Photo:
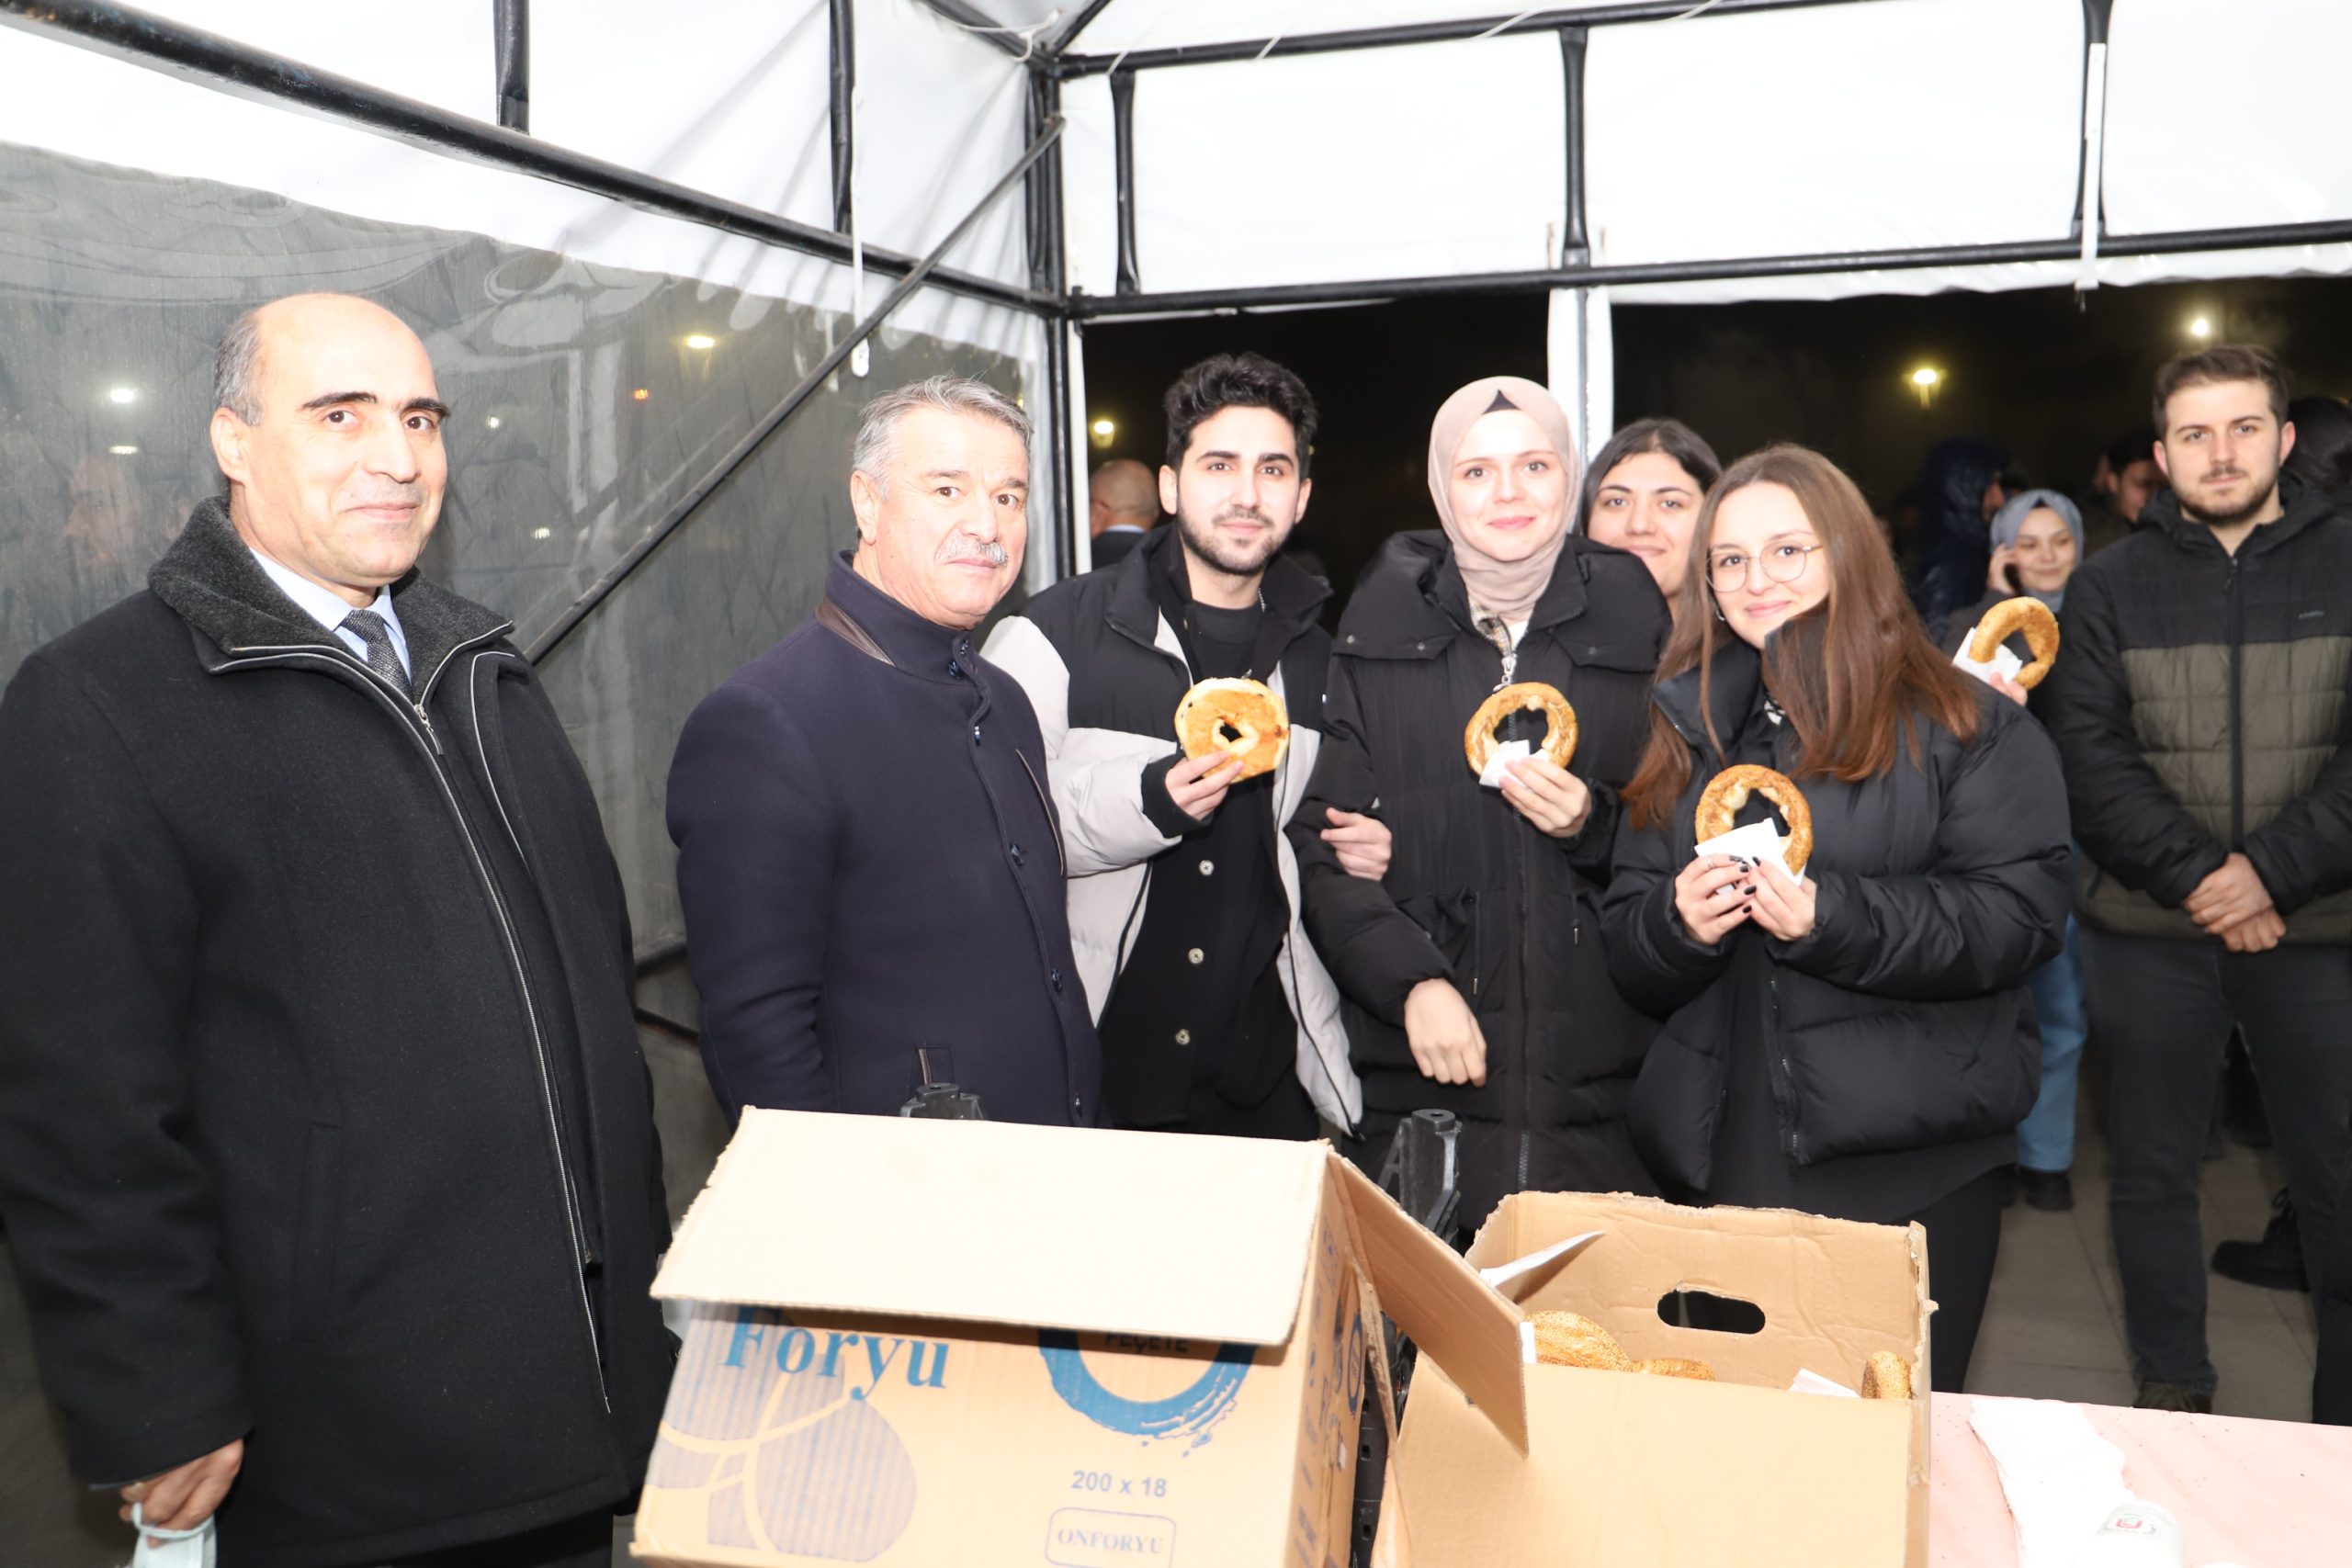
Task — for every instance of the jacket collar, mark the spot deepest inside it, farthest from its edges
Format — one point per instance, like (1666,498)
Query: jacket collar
(2304,504)
(210,578)
(924,649)
(1153,574)
(1735,691)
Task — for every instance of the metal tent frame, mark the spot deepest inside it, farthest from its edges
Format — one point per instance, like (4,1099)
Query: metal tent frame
(140,38)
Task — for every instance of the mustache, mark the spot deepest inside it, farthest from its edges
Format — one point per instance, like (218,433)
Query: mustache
(987,552)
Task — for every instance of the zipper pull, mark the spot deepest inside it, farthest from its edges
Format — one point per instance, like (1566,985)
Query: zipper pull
(430,733)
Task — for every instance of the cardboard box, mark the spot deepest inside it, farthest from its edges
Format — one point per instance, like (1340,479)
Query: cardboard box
(933,1342)
(1619,1469)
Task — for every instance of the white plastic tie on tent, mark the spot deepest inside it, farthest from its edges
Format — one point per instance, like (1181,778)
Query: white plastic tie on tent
(1028,35)
(1504,26)
(2094,156)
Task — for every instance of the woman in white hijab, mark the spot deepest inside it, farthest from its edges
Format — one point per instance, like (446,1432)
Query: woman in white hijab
(1472,973)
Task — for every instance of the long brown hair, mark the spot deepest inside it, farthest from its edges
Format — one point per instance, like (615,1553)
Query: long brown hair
(1855,674)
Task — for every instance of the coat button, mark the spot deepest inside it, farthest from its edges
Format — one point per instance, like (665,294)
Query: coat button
(1208,868)
(955,669)
(975,734)
(1015,849)
(1351,636)
(1056,976)
(1183,1037)
(1197,955)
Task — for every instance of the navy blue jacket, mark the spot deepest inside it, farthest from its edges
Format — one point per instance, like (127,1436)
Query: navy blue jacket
(872,878)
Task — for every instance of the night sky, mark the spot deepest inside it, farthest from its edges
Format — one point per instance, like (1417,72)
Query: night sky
(2049,379)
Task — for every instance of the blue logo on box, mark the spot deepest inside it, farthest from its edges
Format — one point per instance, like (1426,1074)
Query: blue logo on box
(1189,1413)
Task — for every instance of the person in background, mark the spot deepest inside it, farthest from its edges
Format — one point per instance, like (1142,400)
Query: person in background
(1122,505)
(1858,1043)
(1642,492)
(1469,982)
(2037,543)
(326,1146)
(1959,490)
(1216,1014)
(870,870)
(2322,454)
(2127,477)
(2200,703)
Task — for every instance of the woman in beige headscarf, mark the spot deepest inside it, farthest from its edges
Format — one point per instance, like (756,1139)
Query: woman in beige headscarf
(1472,973)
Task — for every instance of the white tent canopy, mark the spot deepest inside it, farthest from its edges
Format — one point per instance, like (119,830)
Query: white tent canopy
(1262,152)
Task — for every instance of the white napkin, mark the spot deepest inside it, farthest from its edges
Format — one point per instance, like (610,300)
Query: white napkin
(1502,1274)
(160,1547)
(1509,751)
(2003,661)
(1756,842)
(1810,1382)
(2061,1477)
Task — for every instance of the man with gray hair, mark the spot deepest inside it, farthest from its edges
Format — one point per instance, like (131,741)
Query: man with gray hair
(867,855)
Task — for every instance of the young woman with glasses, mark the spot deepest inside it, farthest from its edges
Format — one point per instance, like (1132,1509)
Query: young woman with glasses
(1856,1042)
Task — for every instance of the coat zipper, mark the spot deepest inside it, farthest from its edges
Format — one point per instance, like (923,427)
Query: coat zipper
(2238,715)
(336,658)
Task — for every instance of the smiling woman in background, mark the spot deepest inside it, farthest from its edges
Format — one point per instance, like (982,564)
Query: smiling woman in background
(1856,1043)
(1472,973)
(1643,492)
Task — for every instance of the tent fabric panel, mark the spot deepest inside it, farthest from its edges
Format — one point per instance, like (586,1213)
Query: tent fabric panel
(1090,186)
(168,125)
(739,105)
(941,116)
(1303,169)
(1902,123)
(439,51)
(2225,117)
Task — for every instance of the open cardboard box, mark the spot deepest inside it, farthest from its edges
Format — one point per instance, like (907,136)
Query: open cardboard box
(934,1342)
(1619,1469)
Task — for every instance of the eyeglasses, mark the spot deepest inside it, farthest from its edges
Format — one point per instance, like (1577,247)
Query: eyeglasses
(1782,563)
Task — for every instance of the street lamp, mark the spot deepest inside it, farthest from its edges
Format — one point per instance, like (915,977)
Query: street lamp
(1102,430)
(2200,327)
(1926,378)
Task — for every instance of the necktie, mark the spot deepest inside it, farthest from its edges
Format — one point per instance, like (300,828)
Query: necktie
(382,657)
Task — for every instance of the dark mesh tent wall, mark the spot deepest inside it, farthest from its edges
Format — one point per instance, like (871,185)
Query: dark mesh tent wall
(585,406)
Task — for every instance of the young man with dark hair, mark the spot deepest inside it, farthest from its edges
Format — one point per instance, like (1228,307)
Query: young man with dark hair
(1215,1013)
(2200,706)
(2121,486)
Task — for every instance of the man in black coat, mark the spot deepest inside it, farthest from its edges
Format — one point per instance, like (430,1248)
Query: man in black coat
(325,1147)
(869,863)
(1216,1014)
(2200,703)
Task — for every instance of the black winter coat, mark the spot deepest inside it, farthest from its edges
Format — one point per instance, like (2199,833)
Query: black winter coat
(2201,703)
(1475,892)
(872,878)
(280,1152)
(1902,1022)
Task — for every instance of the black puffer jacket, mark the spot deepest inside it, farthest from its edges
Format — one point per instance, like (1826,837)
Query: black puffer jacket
(1477,893)
(2199,705)
(1901,1022)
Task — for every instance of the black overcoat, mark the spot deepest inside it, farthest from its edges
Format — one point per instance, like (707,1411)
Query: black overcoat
(872,877)
(1475,892)
(279,1152)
